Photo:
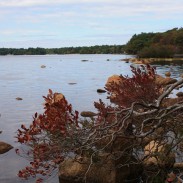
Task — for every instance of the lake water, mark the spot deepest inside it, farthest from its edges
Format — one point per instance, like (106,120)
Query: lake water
(22,76)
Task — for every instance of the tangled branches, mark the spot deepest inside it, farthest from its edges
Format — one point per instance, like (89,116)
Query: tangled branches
(140,128)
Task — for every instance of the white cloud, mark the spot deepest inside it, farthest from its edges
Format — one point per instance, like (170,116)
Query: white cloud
(73,18)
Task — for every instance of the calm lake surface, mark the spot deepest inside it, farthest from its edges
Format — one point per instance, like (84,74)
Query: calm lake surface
(22,76)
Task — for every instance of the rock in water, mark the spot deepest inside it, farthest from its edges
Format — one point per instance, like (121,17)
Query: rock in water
(164,81)
(100,91)
(88,114)
(4,147)
(115,79)
(167,74)
(19,98)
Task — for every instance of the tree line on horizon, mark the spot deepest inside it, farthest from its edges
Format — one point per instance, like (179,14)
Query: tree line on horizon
(144,45)
(104,49)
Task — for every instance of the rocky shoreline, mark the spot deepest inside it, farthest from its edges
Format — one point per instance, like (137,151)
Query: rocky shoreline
(151,60)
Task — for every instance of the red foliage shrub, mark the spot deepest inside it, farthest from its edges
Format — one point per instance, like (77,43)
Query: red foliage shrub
(140,87)
(47,135)
(57,132)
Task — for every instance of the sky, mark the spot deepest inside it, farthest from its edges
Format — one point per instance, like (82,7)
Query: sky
(64,23)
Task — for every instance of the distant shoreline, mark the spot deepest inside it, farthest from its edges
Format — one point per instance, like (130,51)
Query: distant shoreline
(103,49)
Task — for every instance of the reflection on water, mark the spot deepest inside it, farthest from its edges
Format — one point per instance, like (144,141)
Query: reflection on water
(22,76)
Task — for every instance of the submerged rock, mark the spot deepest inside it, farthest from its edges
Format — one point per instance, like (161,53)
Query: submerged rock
(4,147)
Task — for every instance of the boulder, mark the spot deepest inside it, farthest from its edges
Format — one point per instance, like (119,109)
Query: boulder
(171,101)
(179,94)
(57,97)
(4,147)
(103,170)
(115,79)
(88,114)
(164,81)
(156,155)
(167,74)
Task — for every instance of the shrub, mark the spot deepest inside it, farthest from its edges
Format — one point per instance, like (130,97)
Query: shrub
(123,129)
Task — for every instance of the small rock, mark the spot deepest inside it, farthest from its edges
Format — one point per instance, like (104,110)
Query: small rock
(43,66)
(167,74)
(88,114)
(127,61)
(19,98)
(1,132)
(101,91)
(84,60)
(108,59)
(72,83)
(179,94)
(4,147)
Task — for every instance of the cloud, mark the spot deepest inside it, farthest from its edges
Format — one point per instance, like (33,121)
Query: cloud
(100,20)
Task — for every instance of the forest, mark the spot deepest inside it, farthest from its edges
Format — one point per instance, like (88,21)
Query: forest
(156,45)
(104,49)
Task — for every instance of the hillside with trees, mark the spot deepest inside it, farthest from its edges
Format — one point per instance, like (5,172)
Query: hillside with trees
(156,45)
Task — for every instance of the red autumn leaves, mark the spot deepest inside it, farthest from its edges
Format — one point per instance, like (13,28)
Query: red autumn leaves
(43,136)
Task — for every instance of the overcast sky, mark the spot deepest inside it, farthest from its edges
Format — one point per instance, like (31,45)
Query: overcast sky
(63,23)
